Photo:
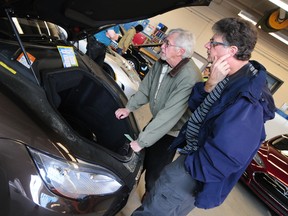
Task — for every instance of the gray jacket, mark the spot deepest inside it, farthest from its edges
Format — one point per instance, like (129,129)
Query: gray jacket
(170,108)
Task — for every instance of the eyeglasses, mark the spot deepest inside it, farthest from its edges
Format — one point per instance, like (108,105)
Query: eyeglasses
(215,43)
(167,43)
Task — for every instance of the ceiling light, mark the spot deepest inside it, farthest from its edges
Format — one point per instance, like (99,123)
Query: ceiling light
(280,36)
(280,3)
(245,15)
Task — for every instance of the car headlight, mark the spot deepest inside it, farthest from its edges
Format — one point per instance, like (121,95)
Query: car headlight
(74,180)
(258,160)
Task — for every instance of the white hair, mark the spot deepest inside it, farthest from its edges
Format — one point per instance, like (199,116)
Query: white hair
(185,40)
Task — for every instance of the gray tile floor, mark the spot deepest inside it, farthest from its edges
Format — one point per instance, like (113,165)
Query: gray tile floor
(240,202)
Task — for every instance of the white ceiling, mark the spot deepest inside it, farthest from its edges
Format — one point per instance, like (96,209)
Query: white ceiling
(258,7)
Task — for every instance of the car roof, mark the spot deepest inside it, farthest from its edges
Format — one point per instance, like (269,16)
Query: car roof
(77,16)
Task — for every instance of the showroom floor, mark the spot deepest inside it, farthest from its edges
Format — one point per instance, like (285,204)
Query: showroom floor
(240,202)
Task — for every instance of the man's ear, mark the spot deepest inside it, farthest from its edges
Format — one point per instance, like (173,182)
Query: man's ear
(181,51)
(233,50)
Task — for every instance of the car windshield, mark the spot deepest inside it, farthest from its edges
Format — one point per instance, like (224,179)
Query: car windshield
(281,145)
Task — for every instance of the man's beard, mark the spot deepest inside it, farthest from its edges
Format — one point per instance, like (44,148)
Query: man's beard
(163,57)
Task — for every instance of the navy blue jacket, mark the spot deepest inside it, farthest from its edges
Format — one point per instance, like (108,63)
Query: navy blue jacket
(230,134)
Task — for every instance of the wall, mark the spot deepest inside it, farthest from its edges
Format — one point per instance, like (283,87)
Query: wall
(199,20)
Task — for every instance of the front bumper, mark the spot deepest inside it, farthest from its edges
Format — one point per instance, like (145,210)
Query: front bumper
(268,189)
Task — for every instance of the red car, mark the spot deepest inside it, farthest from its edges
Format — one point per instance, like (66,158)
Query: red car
(267,174)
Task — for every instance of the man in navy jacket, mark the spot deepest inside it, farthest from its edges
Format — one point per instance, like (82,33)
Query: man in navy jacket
(225,130)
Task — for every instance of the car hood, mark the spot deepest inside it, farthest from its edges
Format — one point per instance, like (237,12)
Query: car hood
(89,16)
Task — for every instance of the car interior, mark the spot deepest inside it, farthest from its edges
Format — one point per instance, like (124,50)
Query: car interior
(87,106)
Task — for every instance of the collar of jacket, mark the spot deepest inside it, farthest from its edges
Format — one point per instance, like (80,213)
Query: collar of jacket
(253,87)
(177,68)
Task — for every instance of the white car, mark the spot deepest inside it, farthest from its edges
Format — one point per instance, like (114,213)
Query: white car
(276,126)
(119,68)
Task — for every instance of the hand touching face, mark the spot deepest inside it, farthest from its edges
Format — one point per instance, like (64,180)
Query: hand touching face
(220,68)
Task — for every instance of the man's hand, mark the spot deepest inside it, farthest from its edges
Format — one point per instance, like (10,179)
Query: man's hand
(219,70)
(135,146)
(122,113)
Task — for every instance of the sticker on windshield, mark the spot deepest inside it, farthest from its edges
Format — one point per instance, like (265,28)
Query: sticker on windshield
(21,58)
(68,56)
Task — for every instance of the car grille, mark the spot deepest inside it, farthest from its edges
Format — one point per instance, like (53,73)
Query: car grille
(272,190)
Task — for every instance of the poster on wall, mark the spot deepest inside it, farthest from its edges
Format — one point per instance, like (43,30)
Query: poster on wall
(149,30)
(144,23)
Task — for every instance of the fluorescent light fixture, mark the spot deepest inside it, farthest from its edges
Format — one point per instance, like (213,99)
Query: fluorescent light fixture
(280,36)
(281,3)
(245,15)
(18,27)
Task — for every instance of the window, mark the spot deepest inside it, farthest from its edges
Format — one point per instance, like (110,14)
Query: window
(273,82)
(200,61)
